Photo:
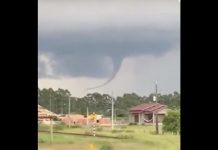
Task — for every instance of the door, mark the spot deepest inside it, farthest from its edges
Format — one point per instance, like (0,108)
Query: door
(136,118)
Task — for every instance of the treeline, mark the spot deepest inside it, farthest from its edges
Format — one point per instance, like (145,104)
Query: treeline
(58,101)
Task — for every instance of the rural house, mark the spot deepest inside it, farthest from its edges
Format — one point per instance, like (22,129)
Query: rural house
(78,119)
(44,115)
(145,113)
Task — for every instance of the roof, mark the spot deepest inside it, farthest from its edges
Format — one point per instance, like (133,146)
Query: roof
(147,107)
(44,113)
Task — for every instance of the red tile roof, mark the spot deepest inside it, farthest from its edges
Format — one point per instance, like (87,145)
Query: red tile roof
(147,107)
(44,113)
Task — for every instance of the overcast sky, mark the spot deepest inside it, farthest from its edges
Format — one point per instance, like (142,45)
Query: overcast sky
(109,45)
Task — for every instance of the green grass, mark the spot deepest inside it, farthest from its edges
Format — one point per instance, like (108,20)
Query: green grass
(142,139)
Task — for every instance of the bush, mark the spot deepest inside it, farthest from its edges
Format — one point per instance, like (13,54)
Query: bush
(55,118)
(121,115)
(106,147)
(171,122)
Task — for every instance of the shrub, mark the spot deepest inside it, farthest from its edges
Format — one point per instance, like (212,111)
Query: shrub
(121,115)
(55,118)
(171,122)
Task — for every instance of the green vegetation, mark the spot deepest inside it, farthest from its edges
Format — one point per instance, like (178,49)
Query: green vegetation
(99,103)
(117,131)
(171,122)
(42,127)
(106,147)
(140,138)
(99,129)
(135,136)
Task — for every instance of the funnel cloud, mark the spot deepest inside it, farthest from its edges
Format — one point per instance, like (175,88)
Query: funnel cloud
(91,39)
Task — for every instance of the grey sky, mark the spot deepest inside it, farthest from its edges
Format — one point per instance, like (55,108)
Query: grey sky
(92,40)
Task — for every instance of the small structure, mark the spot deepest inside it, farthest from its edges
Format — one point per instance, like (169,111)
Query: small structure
(44,115)
(74,119)
(78,119)
(144,113)
(104,122)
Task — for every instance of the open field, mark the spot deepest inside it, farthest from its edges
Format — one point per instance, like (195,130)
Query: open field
(141,138)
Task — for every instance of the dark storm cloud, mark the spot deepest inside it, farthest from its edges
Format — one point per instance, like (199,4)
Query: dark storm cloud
(81,51)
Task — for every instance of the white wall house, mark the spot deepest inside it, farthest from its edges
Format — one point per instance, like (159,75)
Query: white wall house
(145,113)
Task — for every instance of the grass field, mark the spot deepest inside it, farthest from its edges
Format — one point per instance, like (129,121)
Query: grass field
(141,139)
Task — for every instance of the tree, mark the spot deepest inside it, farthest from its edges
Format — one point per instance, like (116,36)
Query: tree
(99,103)
(171,122)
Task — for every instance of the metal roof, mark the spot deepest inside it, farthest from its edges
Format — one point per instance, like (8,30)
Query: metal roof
(147,107)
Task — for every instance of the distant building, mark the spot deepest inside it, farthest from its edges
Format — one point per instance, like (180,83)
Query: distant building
(78,119)
(74,119)
(144,113)
(44,115)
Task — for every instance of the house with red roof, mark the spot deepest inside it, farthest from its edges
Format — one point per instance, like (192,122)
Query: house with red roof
(44,115)
(145,113)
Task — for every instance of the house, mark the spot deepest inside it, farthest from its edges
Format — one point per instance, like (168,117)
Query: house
(145,113)
(45,115)
(104,122)
(78,119)
(73,119)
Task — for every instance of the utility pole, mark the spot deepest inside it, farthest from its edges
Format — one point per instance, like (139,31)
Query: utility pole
(112,111)
(87,115)
(51,121)
(62,107)
(50,101)
(156,113)
(115,116)
(69,112)
(51,129)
